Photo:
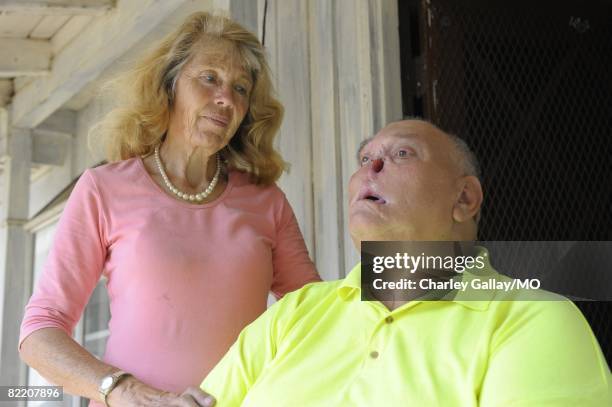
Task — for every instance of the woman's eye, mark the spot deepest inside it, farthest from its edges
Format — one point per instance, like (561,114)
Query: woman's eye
(364,160)
(208,78)
(241,90)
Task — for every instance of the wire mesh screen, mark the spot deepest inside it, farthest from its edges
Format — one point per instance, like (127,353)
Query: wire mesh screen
(531,91)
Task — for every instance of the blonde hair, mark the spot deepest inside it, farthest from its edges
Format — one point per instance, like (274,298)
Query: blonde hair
(147,91)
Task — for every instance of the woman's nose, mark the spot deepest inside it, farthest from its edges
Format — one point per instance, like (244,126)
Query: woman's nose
(223,96)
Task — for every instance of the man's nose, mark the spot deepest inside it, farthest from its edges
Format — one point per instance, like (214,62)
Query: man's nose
(377,165)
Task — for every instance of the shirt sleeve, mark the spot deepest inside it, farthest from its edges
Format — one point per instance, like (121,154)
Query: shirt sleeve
(546,356)
(232,378)
(292,265)
(73,266)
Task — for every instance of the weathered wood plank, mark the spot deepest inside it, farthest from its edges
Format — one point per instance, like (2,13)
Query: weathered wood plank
(368,82)
(17,26)
(50,148)
(245,12)
(6,91)
(24,57)
(21,81)
(354,92)
(62,121)
(4,118)
(51,141)
(327,177)
(68,32)
(48,26)
(386,78)
(87,56)
(287,42)
(15,244)
(57,7)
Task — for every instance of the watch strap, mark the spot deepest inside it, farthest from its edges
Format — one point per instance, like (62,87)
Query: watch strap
(116,378)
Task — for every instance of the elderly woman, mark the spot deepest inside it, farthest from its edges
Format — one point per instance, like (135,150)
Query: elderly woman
(187,225)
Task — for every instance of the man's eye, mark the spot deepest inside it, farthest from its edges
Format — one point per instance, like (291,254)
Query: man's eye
(364,160)
(403,153)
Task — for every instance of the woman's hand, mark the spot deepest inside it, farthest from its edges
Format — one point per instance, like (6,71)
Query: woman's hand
(130,392)
(59,358)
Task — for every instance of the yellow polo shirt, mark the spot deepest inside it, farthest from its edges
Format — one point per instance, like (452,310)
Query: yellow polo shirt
(323,346)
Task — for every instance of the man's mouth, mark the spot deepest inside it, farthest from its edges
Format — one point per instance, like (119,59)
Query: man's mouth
(372,196)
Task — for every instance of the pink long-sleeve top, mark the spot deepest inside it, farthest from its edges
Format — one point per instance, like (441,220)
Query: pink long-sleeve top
(182,279)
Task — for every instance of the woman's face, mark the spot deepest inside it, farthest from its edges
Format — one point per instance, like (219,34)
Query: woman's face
(212,97)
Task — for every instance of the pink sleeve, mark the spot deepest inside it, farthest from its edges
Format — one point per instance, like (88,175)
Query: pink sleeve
(292,265)
(74,264)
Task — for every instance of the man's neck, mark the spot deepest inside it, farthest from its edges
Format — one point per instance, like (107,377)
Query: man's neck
(393,304)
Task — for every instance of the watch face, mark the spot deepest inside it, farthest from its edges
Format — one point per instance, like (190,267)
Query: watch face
(106,382)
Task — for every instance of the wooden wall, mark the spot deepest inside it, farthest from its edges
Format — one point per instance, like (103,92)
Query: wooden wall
(337,71)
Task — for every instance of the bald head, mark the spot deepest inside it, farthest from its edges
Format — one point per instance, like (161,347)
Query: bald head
(415,182)
(463,157)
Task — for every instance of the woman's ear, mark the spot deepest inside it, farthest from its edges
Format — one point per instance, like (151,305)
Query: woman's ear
(469,200)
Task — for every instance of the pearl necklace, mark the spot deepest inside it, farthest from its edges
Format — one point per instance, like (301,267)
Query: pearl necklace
(180,194)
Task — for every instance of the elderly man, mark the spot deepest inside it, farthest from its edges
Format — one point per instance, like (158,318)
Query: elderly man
(324,346)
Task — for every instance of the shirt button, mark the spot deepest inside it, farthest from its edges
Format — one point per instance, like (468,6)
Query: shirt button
(389,319)
(374,354)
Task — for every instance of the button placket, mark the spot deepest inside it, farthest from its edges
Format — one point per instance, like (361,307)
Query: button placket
(380,337)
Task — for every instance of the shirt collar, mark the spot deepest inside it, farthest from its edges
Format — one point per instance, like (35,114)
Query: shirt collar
(351,284)
(350,288)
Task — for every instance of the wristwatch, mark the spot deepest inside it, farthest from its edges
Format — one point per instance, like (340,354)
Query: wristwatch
(109,382)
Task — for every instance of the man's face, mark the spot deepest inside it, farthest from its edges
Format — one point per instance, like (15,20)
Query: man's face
(406,187)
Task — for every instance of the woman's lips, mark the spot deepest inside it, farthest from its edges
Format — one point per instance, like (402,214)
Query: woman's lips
(218,120)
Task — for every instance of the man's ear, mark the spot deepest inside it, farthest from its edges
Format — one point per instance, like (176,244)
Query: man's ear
(469,200)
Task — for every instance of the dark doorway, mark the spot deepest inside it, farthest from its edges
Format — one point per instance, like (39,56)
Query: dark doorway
(530,89)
